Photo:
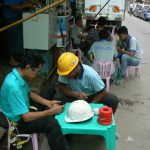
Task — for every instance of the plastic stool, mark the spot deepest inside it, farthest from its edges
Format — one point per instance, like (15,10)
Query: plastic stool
(105,70)
(137,70)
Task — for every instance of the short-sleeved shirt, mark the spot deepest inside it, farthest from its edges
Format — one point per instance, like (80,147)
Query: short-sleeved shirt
(93,35)
(75,34)
(131,45)
(8,12)
(89,82)
(14,97)
(103,50)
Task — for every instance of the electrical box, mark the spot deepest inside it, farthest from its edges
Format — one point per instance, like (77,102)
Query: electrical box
(40,32)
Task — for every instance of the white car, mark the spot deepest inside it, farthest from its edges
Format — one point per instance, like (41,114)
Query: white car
(145,13)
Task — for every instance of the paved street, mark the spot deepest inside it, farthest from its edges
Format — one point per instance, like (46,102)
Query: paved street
(133,115)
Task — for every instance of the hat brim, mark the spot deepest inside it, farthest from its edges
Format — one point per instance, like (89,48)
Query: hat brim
(68,120)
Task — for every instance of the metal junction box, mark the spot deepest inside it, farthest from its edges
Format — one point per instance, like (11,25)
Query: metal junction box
(40,32)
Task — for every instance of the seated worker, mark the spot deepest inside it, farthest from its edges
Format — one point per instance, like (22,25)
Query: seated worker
(79,81)
(15,102)
(128,49)
(76,33)
(104,49)
(77,36)
(94,33)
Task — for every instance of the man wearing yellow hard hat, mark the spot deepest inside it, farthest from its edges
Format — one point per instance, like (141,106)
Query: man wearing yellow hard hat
(79,81)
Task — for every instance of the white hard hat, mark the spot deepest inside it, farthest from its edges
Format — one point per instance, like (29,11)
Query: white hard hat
(78,111)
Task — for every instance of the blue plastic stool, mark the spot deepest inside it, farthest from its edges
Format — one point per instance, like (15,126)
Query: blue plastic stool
(89,127)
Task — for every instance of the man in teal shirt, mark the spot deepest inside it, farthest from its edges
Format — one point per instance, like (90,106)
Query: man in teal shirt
(16,92)
(79,81)
(15,103)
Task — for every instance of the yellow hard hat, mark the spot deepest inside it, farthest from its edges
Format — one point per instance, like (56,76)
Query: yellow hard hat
(66,63)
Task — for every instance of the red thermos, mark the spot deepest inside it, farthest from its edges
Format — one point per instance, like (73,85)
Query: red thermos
(105,116)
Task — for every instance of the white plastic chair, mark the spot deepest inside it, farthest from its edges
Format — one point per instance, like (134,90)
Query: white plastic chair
(16,141)
(14,138)
(105,69)
(136,68)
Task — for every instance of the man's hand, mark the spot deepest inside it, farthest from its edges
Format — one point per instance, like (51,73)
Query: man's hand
(50,104)
(81,95)
(56,109)
(123,51)
(55,102)
(30,116)
(120,50)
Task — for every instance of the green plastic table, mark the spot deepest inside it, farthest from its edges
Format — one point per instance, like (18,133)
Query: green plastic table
(91,127)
